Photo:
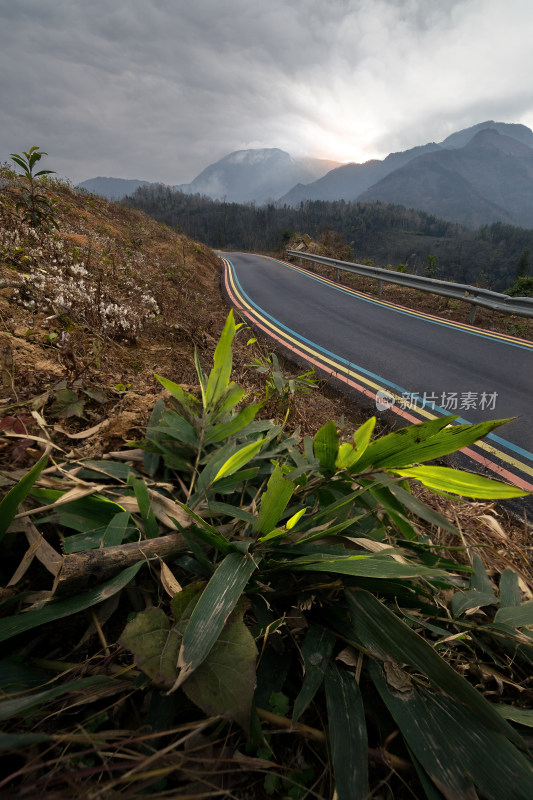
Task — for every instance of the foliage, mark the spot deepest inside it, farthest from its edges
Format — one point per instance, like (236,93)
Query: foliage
(522,287)
(311,558)
(36,208)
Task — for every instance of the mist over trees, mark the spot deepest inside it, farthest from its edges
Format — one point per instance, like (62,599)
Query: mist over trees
(386,234)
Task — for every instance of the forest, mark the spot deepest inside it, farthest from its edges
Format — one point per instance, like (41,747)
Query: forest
(387,235)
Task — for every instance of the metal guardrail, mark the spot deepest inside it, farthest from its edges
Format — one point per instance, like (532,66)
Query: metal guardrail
(521,306)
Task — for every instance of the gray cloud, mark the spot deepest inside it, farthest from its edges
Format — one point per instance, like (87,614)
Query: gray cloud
(158,89)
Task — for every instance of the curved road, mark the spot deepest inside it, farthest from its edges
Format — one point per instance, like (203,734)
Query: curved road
(425,365)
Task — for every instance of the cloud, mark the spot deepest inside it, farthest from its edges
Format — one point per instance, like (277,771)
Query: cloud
(158,89)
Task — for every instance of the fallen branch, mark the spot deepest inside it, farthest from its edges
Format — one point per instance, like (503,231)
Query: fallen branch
(80,571)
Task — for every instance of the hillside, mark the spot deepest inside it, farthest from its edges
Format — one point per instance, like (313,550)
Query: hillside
(487,180)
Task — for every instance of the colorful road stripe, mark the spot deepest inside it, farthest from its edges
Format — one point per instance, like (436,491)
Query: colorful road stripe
(369,384)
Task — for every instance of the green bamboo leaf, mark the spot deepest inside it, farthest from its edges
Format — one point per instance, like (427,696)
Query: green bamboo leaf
(317,648)
(239,459)
(151,526)
(273,501)
(19,492)
(186,400)
(347,734)
(472,599)
(387,448)
(58,609)
(219,377)
(515,616)
(498,768)
(462,483)
(420,731)
(217,433)
(510,594)
(20,705)
(421,510)
(349,454)
(224,683)
(369,566)
(216,603)
(440,443)
(388,638)
(479,580)
(326,445)
(229,399)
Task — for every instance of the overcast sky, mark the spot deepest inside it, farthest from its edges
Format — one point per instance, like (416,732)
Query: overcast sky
(159,89)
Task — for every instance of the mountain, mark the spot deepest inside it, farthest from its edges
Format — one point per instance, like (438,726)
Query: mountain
(346,182)
(489,179)
(112,188)
(254,175)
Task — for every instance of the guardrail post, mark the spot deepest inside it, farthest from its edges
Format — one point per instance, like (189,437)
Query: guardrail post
(380,287)
(472,315)
(337,275)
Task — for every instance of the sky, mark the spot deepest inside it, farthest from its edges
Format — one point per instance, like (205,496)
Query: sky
(160,89)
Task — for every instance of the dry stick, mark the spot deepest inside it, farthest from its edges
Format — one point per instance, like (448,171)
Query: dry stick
(83,570)
(379,755)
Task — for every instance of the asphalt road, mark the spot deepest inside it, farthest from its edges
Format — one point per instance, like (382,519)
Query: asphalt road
(428,365)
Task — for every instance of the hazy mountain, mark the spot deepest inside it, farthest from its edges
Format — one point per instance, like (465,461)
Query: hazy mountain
(519,132)
(254,175)
(489,179)
(112,188)
(349,180)
(472,201)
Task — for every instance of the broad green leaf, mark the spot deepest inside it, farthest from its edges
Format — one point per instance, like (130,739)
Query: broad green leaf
(421,510)
(224,683)
(273,501)
(238,459)
(186,400)
(420,731)
(58,609)
(230,398)
(469,600)
(151,526)
(326,446)
(317,648)
(425,442)
(349,454)
(201,377)
(155,645)
(498,768)
(522,716)
(219,377)
(19,492)
(509,589)
(369,566)
(214,507)
(479,579)
(387,448)
(515,616)
(217,433)
(388,638)
(216,603)
(347,734)
(174,426)
(462,483)
(67,404)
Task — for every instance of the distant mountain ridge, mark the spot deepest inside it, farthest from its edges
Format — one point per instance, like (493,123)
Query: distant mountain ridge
(475,176)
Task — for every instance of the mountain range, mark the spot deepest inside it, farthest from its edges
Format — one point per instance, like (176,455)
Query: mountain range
(476,176)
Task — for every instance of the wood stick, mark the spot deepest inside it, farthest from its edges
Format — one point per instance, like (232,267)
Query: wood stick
(80,571)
